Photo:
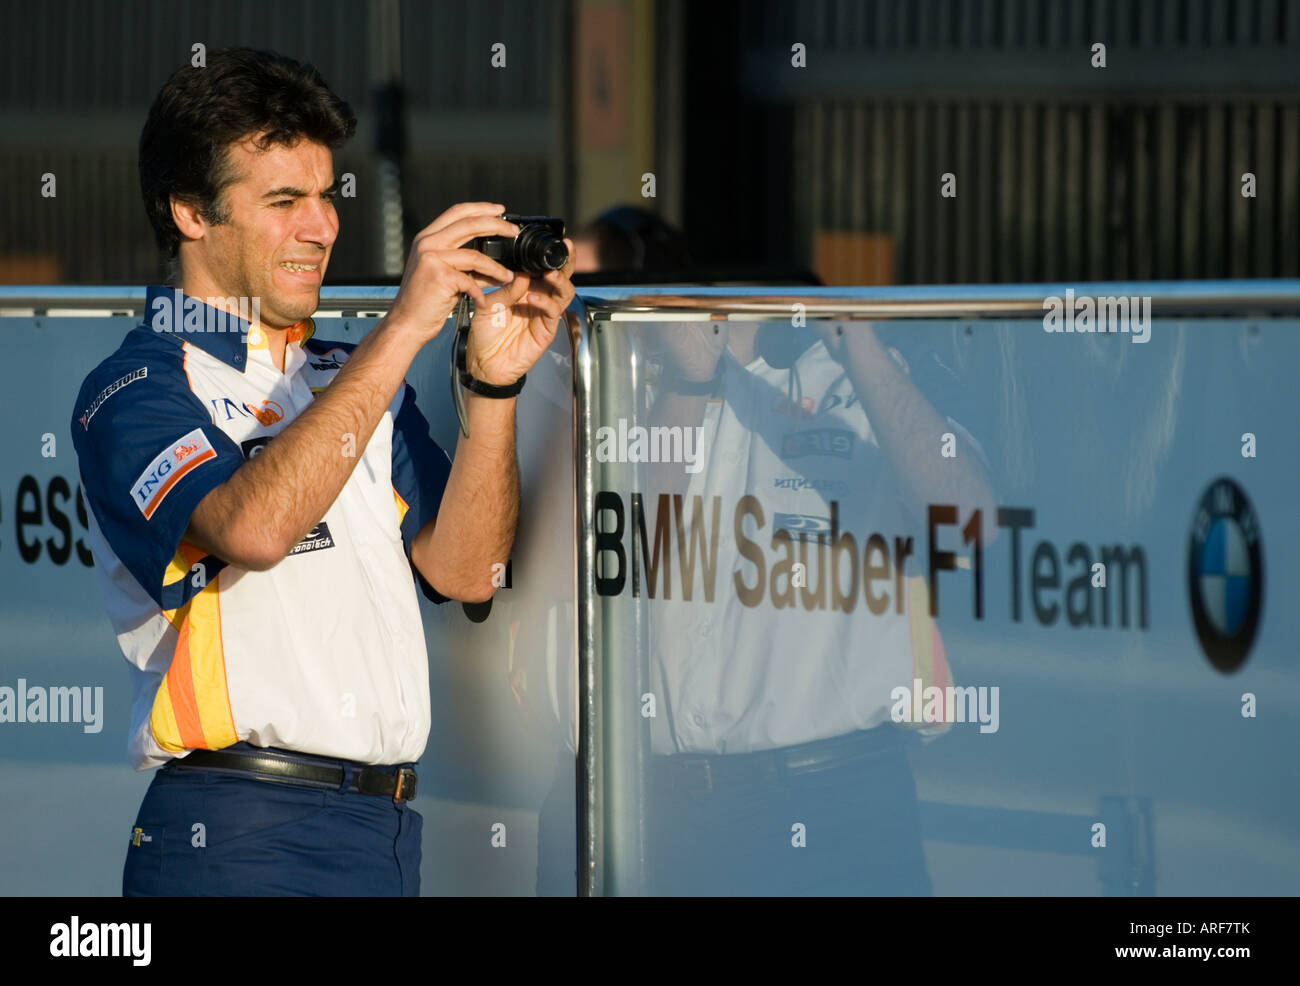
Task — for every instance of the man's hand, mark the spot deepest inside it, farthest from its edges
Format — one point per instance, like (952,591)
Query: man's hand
(907,426)
(693,349)
(475,524)
(440,268)
(515,325)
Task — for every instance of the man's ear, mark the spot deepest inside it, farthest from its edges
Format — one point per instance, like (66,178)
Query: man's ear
(188,219)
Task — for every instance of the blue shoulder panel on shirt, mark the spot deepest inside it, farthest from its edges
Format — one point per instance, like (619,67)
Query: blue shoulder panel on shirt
(420,471)
(322,347)
(148,453)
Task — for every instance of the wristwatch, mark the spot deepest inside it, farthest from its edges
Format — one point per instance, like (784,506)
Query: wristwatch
(476,386)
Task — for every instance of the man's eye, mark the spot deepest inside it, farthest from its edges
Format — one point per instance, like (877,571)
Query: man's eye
(281,203)
(329,196)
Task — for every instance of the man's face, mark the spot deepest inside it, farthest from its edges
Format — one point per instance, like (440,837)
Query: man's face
(281,222)
(586,259)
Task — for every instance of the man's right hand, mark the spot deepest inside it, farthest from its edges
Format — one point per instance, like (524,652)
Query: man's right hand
(440,268)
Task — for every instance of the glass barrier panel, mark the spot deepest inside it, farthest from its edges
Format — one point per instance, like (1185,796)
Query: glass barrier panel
(501,745)
(812,605)
(917,606)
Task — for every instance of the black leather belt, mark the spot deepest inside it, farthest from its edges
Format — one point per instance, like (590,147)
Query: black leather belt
(698,774)
(398,783)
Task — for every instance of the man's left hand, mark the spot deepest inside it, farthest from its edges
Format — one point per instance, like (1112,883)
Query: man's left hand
(520,320)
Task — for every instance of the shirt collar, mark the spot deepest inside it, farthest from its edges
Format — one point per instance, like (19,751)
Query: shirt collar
(218,333)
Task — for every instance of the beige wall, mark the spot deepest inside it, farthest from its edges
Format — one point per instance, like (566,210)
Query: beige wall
(613,103)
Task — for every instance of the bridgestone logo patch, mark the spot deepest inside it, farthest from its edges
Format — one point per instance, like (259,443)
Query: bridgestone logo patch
(108,392)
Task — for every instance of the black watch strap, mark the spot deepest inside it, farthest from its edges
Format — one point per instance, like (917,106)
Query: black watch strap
(491,390)
(475,386)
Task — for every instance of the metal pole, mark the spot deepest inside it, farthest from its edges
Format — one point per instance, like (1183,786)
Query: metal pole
(589,790)
(390,131)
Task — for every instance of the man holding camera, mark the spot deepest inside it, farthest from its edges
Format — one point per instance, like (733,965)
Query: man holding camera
(264,503)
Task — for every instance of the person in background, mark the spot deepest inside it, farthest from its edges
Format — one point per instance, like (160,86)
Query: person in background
(627,238)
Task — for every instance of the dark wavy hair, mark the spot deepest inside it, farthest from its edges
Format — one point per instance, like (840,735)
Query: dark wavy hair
(200,112)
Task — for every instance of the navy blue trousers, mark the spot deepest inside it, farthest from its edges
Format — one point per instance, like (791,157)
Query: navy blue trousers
(861,831)
(211,833)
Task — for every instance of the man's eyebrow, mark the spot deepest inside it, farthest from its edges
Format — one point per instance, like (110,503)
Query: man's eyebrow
(288,191)
(284,191)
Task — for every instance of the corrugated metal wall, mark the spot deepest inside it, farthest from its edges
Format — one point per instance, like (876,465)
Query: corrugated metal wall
(1058,183)
(1054,180)
(1052,192)
(74,55)
(1026,24)
(445,54)
(77,78)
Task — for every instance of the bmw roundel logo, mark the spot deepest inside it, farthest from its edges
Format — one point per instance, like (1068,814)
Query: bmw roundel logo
(1225,574)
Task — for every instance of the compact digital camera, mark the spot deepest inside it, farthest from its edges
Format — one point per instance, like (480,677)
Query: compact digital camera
(538,249)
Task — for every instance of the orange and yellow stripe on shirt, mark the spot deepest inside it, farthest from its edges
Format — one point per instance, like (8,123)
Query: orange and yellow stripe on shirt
(401,507)
(191,709)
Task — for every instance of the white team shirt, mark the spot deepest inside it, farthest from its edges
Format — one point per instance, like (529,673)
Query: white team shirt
(792,668)
(325,652)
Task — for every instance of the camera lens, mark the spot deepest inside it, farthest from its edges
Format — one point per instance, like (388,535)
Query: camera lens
(556,254)
(538,250)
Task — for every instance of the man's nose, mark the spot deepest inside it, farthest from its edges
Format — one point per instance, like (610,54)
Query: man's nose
(319,224)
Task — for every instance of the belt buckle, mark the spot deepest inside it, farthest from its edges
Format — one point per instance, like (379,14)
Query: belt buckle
(406,785)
